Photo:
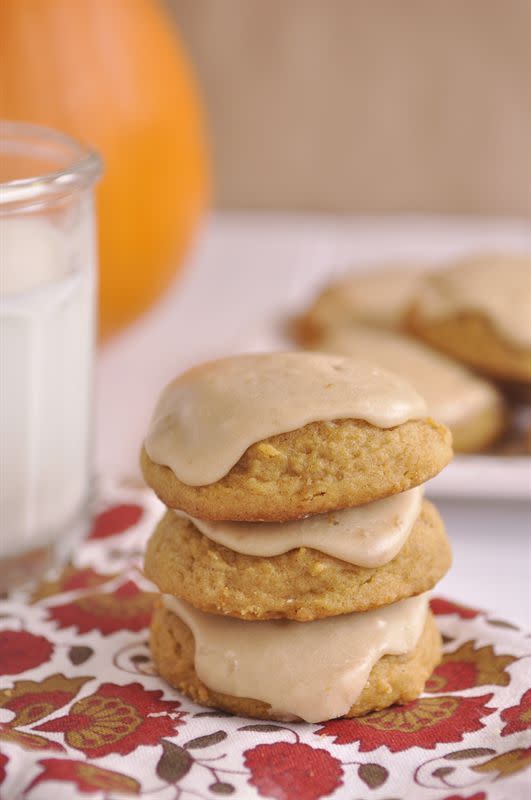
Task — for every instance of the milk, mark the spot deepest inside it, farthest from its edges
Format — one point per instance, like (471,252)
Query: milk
(47,292)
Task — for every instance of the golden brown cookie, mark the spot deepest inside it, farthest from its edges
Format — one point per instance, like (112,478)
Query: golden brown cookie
(302,584)
(471,407)
(472,339)
(377,297)
(477,311)
(393,679)
(321,467)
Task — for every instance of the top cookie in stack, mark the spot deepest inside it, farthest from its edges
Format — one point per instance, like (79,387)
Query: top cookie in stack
(275,437)
(296,616)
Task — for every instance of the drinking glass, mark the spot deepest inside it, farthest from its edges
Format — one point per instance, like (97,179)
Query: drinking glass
(47,322)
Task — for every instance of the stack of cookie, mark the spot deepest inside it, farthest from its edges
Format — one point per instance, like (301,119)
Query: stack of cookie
(297,549)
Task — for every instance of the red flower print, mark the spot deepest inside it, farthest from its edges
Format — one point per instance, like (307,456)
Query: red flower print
(3,764)
(127,608)
(288,771)
(116,719)
(451,677)
(69,580)
(440,606)
(116,519)
(477,796)
(423,723)
(87,777)
(469,666)
(32,700)
(22,650)
(518,718)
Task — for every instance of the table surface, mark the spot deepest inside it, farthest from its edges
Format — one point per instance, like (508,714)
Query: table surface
(246,268)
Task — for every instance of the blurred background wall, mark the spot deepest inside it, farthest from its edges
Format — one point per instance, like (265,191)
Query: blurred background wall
(366,106)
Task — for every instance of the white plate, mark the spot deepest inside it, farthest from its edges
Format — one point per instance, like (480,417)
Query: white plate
(467,476)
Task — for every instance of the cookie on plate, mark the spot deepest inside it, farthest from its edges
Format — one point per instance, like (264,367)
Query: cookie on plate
(470,406)
(292,670)
(478,311)
(403,550)
(278,436)
(379,297)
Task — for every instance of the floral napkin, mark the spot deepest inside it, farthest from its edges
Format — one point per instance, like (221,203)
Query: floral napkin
(82,713)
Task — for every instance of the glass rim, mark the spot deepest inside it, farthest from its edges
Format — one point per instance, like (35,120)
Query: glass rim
(84,168)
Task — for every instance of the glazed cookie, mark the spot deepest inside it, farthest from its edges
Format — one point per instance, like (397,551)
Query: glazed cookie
(380,297)
(372,682)
(279,436)
(407,551)
(470,406)
(478,311)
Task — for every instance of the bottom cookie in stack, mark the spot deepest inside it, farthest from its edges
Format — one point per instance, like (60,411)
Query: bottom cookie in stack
(301,670)
(313,619)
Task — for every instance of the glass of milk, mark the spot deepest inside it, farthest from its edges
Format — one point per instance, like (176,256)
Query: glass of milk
(47,323)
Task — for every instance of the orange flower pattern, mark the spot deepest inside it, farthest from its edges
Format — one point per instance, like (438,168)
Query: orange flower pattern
(82,714)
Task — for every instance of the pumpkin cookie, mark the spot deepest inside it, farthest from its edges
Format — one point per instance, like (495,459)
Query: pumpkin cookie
(282,435)
(301,584)
(380,297)
(392,679)
(478,311)
(470,406)
(321,467)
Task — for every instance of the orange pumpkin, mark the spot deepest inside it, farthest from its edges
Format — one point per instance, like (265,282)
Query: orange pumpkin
(114,75)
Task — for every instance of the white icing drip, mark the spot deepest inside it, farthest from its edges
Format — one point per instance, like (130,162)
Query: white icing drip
(207,418)
(369,535)
(311,670)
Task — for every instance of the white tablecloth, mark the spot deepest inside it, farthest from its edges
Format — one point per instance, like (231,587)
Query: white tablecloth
(247,268)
